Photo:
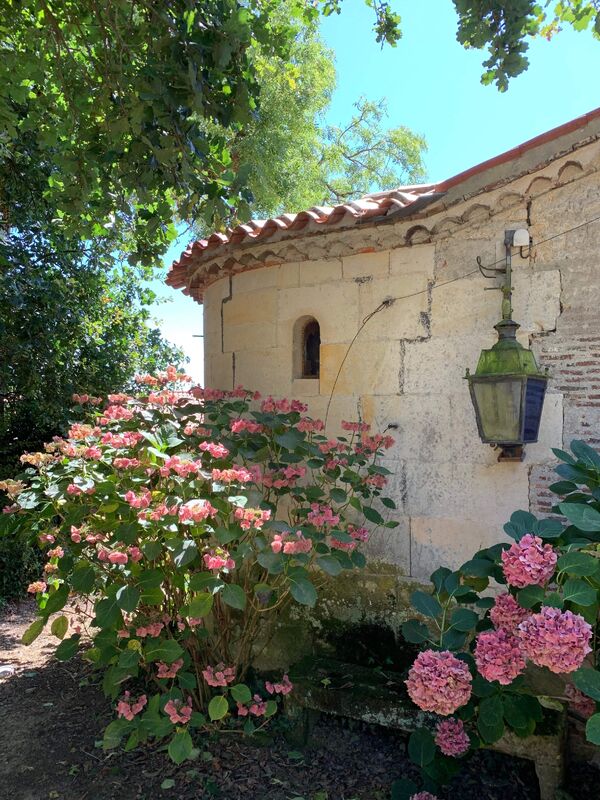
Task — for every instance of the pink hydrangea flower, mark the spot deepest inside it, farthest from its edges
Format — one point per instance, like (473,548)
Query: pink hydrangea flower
(251,517)
(234,475)
(499,656)
(117,557)
(355,427)
(528,562)
(196,511)
(128,709)
(76,534)
(322,515)
(126,463)
(178,712)
(135,554)
(285,686)
(451,737)
(258,707)
(169,670)
(239,425)
(138,501)
(439,682)
(219,675)
(218,559)
(307,425)
(559,640)
(507,613)
(298,545)
(152,629)
(215,450)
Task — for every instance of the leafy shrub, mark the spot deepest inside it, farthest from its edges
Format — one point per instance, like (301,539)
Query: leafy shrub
(20,563)
(476,647)
(179,524)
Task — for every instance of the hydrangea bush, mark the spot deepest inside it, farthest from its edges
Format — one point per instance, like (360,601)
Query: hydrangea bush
(543,610)
(176,525)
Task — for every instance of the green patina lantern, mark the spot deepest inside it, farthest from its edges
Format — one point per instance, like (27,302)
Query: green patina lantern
(508,388)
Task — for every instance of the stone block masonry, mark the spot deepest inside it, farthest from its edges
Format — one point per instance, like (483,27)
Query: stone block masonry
(406,368)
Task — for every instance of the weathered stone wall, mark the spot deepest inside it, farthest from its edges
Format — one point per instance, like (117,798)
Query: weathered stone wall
(406,367)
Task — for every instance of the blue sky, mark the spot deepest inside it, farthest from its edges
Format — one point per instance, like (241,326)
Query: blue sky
(432,85)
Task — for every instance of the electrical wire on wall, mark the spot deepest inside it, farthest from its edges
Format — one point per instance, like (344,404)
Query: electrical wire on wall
(388,302)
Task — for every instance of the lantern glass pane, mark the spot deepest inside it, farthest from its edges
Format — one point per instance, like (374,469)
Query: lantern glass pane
(499,409)
(534,401)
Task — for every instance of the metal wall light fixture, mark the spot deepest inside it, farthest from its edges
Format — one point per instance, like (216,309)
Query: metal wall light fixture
(507,388)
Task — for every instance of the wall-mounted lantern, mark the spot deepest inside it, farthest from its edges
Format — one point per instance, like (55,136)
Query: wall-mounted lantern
(508,387)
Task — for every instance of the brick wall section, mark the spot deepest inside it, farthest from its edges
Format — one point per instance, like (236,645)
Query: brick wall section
(572,351)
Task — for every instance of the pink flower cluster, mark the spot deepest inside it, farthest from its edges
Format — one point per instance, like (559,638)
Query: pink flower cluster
(370,444)
(165,398)
(159,512)
(559,640)
(56,552)
(178,712)
(37,587)
(284,406)
(234,475)
(321,515)
(451,737)
(114,413)
(151,629)
(358,534)
(507,613)
(499,656)
(219,675)
(290,545)
(121,440)
(113,557)
(257,708)
(196,511)
(439,682)
(284,478)
(75,490)
(285,686)
(128,709)
(126,463)
(528,562)
(119,399)
(142,500)
(307,425)
(355,427)
(215,450)
(251,517)
(179,466)
(218,559)
(169,670)
(239,425)
(82,431)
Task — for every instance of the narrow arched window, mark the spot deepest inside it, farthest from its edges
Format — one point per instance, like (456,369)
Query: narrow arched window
(307,348)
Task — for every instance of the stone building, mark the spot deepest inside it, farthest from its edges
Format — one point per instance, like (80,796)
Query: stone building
(284,299)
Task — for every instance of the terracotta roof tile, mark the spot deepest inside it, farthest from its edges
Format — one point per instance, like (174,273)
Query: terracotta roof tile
(375,205)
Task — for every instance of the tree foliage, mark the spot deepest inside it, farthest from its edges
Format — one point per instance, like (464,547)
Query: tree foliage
(295,160)
(505,29)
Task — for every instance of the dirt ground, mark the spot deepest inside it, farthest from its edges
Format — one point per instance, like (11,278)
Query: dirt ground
(52,715)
